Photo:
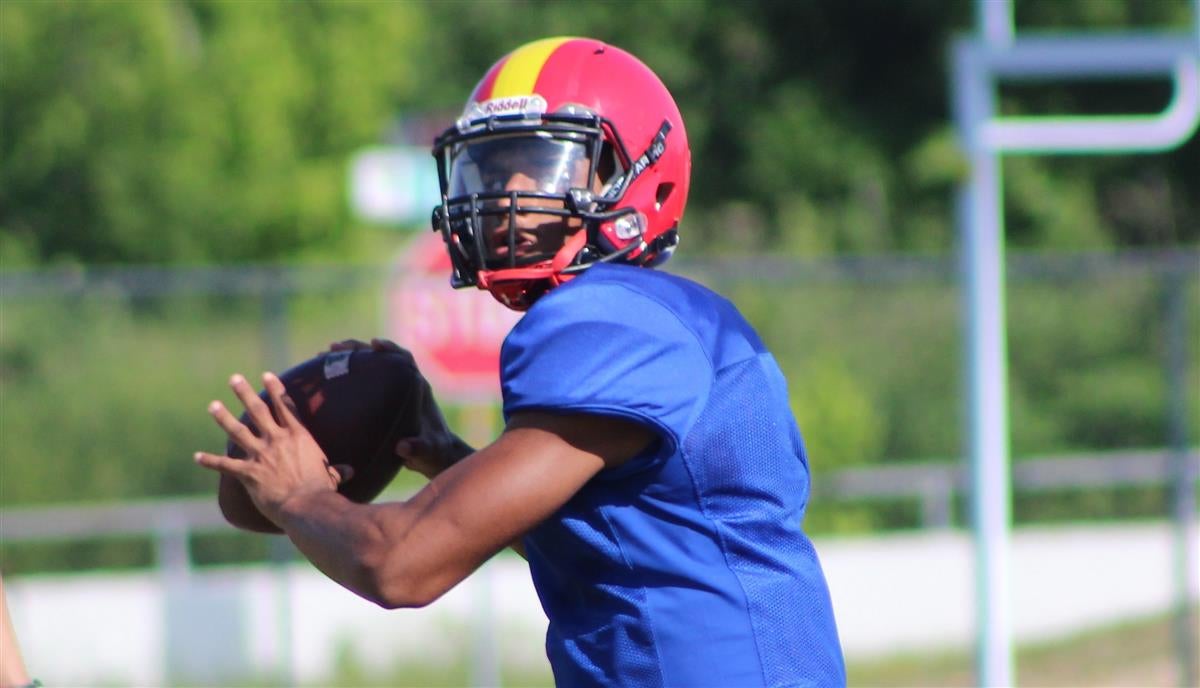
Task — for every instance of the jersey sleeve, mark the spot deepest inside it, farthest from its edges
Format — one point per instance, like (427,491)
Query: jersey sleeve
(604,348)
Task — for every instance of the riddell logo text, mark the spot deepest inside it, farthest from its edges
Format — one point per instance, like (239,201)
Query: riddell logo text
(502,105)
(530,105)
(526,106)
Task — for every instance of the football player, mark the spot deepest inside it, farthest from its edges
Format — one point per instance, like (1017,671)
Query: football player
(650,469)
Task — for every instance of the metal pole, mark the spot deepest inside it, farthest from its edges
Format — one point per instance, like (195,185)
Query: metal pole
(995,53)
(995,21)
(275,326)
(480,425)
(174,560)
(1196,19)
(276,357)
(485,661)
(1183,480)
(981,219)
(281,551)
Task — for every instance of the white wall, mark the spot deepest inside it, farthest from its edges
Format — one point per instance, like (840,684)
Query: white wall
(916,591)
(891,594)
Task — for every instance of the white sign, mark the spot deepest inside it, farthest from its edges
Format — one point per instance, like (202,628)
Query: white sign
(394,185)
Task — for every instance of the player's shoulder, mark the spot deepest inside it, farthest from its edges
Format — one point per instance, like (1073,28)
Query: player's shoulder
(636,305)
(604,294)
(621,287)
(659,303)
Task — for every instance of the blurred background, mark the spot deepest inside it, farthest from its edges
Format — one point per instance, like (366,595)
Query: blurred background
(192,188)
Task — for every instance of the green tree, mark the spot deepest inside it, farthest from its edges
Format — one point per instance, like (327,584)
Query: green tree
(207,130)
(190,131)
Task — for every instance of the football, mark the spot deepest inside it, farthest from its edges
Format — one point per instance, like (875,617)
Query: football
(357,405)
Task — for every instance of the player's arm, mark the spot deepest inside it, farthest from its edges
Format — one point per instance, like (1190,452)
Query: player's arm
(409,553)
(428,454)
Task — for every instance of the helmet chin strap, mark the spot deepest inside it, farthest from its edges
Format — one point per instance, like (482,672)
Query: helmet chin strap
(552,271)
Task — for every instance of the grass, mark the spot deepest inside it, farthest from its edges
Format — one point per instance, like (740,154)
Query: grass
(1134,654)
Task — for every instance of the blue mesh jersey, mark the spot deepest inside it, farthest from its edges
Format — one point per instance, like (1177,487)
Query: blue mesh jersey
(685,566)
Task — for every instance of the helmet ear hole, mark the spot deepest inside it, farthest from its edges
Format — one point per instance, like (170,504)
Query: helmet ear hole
(662,193)
(608,166)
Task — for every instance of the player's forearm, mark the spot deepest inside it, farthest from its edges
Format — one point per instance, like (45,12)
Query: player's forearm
(430,459)
(350,544)
(457,451)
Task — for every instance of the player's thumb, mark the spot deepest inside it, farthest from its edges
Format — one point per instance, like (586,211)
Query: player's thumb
(342,472)
(412,448)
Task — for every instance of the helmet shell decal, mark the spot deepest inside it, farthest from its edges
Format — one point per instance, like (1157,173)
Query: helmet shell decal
(528,106)
(518,72)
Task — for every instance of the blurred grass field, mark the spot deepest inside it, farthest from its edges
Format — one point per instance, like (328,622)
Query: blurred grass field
(1135,654)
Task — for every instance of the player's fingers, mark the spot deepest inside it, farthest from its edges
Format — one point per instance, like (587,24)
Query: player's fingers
(285,408)
(349,345)
(388,346)
(236,429)
(234,467)
(412,448)
(380,344)
(256,408)
(341,472)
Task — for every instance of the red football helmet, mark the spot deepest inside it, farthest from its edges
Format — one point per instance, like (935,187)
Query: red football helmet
(569,152)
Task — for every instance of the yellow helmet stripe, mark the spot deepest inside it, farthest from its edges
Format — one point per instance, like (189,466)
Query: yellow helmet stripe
(519,74)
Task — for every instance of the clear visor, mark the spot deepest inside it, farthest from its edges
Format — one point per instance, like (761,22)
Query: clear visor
(535,164)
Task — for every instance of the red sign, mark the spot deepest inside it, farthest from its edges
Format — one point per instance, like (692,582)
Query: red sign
(454,334)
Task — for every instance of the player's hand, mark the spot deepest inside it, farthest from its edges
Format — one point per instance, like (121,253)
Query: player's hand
(282,459)
(376,344)
(436,447)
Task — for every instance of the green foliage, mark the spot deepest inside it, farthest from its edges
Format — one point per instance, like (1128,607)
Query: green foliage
(843,426)
(1090,366)
(213,130)
(206,131)
(811,162)
(123,386)
(103,395)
